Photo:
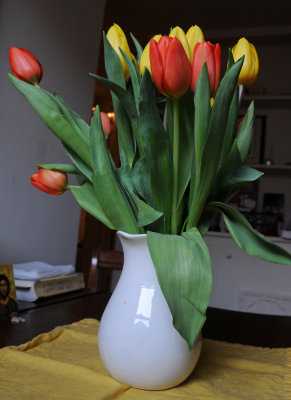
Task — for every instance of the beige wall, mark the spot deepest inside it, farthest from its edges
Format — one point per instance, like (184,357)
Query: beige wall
(65,37)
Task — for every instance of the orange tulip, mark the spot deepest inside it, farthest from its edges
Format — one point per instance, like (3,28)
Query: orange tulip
(171,69)
(25,65)
(206,51)
(51,181)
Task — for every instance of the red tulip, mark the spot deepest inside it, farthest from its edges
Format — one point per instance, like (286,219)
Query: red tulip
(206,51)
(25,66)
(171,69)
(51,181)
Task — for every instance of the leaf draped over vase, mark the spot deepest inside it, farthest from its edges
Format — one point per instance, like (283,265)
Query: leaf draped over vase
(182,153)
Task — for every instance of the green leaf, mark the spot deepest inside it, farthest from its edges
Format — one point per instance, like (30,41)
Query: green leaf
(212,149)
(155,147)
(245,133)
(186,145)
(113,65)
(126,99)
(135,77)
(202,113)
(86,197)
(248,239)
(56,117)
(142,180)
(78,162)
(184,271)
(115,74)
(231,128)
(205,220)
(70,169)
(110,194)
(146,214)
(138,47)
(230,59)
(83,126)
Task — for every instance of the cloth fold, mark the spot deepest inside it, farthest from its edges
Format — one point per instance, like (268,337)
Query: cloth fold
(64,364)
(38,269)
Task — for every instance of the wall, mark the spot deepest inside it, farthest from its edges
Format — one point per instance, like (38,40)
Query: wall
(245,283)
(64,36)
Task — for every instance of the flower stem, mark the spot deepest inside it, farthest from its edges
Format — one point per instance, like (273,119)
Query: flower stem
(175,167)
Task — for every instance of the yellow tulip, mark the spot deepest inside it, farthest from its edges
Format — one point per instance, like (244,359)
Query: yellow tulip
(180,34)
(194,35)
(250,68)
(117,38)
(145,57)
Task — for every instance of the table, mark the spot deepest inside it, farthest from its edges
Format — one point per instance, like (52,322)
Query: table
(64,364)
(224,325)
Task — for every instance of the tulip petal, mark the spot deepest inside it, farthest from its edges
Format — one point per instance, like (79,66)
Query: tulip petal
(180,34)
(145,57)
(194,35)
(34,181)
(177,73)
(217,58)
(156,65)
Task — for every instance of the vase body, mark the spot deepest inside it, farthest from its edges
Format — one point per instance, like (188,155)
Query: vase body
(138,343)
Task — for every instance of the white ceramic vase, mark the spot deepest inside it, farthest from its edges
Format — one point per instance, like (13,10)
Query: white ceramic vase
(137,341)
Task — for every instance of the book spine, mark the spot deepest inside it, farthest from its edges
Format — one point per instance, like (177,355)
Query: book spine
(59,286)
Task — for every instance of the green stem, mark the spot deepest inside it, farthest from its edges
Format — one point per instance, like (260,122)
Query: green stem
(175,167)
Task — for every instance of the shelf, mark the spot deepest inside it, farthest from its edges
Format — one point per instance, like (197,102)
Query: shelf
(274,168)
(268,100)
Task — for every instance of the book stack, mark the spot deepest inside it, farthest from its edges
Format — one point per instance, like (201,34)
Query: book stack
(38,279)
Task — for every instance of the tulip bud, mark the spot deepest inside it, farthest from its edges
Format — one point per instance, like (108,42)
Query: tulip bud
(180,34)
(25,65)
(107,124)
(250,68)
(194,35)
(117,39)
(171,69)
(145,57)
(51,181)
(211,54)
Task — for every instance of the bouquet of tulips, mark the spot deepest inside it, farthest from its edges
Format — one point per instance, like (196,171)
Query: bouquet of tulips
(182,154)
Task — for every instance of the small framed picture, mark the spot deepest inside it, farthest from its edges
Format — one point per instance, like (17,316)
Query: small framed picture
(8,300)
(256,154)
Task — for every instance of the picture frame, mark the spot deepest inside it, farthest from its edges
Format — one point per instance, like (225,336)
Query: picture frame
(257,149)
(8,299)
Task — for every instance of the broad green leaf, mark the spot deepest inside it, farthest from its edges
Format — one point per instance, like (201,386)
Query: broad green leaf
(114,202)
(78,162)
(231,128)
(184,271)
(88,200)
(52,112)
(212,149)
(113,65)
(84,127)
(205,220)
(186,145)
(155,146)
(135,78)
(142,181)
(202,113)
(111,196)
(146,215)
(126,99)
(138,47)
(245,133)
(115,74)
(230,59)
(248,239)
(70,169)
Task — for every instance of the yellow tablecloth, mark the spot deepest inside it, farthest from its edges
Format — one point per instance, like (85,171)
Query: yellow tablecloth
(64,364)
